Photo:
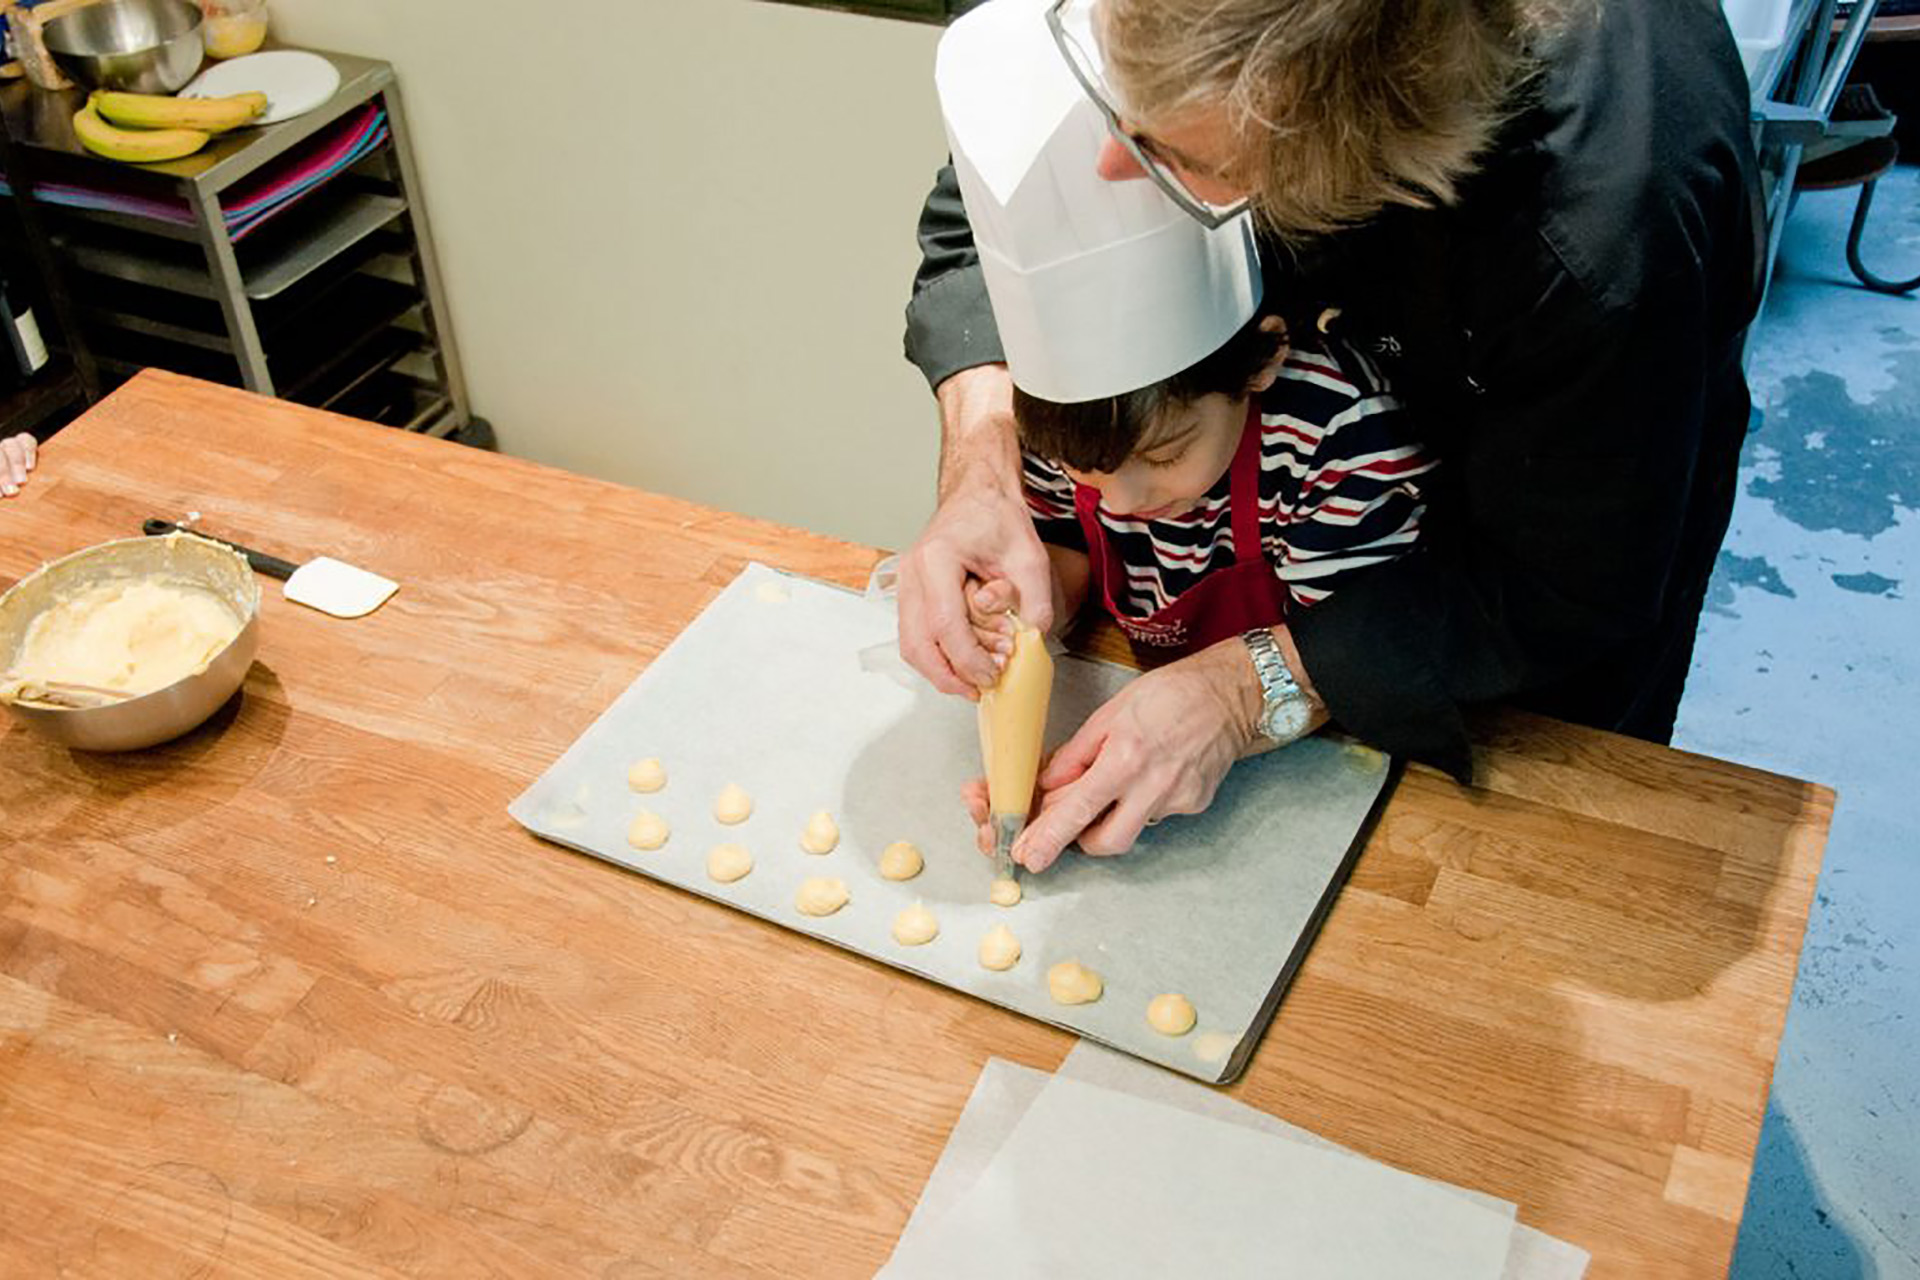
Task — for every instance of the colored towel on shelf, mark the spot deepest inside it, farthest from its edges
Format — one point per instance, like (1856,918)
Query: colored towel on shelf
(106,201)
(256,198)
(317,161)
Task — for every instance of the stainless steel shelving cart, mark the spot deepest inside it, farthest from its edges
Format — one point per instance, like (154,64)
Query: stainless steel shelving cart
(1797,89)
(335,301)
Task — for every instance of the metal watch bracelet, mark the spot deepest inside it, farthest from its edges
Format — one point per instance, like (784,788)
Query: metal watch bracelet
(1286,711)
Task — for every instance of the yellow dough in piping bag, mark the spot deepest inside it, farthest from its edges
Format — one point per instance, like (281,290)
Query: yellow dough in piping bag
(1013,723)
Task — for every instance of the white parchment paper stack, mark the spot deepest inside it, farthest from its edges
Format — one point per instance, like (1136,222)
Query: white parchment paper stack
(1109,1168)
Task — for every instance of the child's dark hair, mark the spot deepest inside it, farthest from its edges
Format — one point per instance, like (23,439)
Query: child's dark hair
(1099,435)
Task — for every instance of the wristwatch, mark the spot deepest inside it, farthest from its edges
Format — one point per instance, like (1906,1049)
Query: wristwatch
(1287,712)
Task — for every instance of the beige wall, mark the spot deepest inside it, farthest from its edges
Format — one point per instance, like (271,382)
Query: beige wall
(677,237)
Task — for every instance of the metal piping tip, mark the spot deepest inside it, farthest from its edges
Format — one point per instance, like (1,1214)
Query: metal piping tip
(1006,829)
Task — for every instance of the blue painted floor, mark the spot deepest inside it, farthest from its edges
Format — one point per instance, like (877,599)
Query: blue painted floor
(1806,666)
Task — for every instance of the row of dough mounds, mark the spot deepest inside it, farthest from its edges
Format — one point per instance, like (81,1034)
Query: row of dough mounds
(1068,982)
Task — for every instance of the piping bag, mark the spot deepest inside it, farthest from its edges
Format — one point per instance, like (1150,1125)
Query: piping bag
(1013,724)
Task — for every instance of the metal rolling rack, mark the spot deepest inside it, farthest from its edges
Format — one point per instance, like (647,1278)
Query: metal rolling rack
(1796,89)
(336,301)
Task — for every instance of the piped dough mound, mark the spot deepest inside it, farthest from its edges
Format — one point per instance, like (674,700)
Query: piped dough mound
(999,949)
(1214,1046)
(901,861)
(647,775)
(1071,982)
(1005,892)
(1170,1014)
(648,830)
(728,862)
(916,926)
(821,896)
(821,835)
(732,806)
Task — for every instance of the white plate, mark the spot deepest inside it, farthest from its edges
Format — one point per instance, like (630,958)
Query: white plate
(294,82)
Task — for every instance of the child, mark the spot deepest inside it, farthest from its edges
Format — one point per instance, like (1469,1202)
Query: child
(1225,496)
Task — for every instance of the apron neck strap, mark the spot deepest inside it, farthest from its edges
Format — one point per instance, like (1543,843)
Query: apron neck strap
(1244,489)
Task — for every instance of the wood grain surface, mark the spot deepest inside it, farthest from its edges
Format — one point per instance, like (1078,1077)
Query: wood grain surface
(294,996)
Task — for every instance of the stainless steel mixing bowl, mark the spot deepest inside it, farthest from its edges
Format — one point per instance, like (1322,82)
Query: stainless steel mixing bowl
(148,46)
(165,713)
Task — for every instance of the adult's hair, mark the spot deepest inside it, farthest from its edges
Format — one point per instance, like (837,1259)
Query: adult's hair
(1099,435)
(1338,107)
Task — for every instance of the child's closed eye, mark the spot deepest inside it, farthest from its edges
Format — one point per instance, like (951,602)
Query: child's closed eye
(1167,460)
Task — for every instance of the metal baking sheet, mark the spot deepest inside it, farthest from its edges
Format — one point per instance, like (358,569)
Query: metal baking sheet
(768,689)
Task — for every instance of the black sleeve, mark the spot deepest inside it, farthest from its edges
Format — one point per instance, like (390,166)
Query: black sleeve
(949,320)
(1565,499)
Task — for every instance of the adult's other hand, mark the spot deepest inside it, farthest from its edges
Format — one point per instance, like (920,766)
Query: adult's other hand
(1159,747)
(980,532)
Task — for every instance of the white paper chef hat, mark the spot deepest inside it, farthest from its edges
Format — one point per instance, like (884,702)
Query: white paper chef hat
(1098,287)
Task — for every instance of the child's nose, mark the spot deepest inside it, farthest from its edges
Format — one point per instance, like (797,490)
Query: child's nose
(1121,495)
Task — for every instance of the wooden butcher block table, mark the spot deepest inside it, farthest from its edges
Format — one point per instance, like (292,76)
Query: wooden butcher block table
(294,995)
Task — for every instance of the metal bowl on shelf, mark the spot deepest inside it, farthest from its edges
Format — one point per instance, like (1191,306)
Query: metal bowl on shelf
(162,714)
(147,46)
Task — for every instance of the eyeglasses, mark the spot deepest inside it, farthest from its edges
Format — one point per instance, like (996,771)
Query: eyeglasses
(1071,22)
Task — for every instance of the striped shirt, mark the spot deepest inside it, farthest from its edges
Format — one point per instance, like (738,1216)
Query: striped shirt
(1337,492)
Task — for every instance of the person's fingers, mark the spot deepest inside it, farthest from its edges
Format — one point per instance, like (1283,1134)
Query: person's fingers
(1074,756)
(943,610)
(998,646)
(1065,813)
(974,795)
(32,449)
(13,464)
(918,642)
(1030,574)
(965,654)
(987,605)
(997,643)
(1118,830)
(989,602)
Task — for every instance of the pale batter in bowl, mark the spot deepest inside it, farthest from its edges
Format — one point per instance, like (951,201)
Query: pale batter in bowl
(134,636)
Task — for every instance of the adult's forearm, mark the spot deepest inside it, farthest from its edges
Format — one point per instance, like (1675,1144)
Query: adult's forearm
(978,443)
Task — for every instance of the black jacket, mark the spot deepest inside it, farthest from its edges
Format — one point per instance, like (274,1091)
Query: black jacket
(1568,338)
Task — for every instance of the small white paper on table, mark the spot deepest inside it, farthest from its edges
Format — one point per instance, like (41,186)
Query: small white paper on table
(1097,1183)
(1005,1090)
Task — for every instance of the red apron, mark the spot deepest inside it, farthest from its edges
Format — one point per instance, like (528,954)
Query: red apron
(1225,602)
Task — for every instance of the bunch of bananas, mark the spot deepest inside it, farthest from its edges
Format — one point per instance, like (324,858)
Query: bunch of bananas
(144,127)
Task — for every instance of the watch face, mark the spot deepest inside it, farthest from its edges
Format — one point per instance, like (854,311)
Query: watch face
(1286,719)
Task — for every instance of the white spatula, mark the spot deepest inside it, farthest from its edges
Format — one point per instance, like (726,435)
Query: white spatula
(322,583)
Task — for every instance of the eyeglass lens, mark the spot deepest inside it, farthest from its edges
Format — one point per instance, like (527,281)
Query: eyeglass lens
(1074,23)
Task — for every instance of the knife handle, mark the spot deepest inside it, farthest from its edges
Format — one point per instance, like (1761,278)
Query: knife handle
(272,566)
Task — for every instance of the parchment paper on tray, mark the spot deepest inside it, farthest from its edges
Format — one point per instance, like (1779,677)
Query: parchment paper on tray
(767,689)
